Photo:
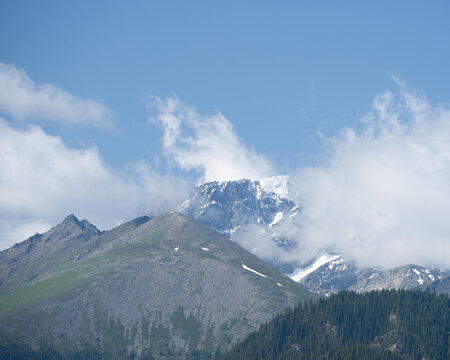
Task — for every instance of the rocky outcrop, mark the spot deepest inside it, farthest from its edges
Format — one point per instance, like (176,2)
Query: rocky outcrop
(227,205)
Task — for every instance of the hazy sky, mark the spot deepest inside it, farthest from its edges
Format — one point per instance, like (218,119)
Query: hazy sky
(103,102)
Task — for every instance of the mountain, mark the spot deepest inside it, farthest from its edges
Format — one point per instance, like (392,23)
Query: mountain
(388,324)
(329,274)
(401,277)
(169,287)
(441,286)
(231,206)
(228,205)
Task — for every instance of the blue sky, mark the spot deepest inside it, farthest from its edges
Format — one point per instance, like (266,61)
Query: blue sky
(232,89)
(279,71)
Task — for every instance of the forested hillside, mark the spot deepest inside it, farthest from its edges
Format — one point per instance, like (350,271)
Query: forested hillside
(386,324)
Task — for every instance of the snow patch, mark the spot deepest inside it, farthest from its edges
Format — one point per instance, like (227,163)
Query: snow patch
(417,272)
(278,217)
(177,248)
(420,281)
(205,249)
(234,229)
(277,185)
(279,285)
(253,271)
(299,274)
(332,264)
(184,205)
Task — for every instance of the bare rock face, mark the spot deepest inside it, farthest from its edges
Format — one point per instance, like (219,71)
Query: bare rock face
(230,206)
(441,286)
(168,288)
(402,277)
(331,277)
(225,206)
(340,274)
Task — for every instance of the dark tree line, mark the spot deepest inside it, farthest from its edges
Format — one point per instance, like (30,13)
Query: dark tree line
(388,324)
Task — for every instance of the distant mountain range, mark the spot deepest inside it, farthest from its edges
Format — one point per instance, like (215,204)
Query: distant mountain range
(337,274)
(230,206)
(165,288)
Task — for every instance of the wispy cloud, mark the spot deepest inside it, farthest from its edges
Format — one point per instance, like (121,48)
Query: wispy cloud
(22,99)
(207,144)
(383,195)
(42,180)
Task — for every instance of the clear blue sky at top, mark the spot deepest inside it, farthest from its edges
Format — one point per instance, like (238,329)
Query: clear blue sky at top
(280,71)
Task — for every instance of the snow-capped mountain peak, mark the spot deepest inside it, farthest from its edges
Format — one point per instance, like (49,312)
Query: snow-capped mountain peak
(228,205)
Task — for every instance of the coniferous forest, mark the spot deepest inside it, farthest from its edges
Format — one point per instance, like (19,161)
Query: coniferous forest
(388,324)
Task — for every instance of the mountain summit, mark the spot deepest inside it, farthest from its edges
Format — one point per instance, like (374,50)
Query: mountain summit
(228,205)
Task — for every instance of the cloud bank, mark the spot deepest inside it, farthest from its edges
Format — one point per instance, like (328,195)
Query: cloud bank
(382,197)
(22,99)
(42,180)
(206,144)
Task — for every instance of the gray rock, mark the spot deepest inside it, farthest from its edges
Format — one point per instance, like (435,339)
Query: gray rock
(340,274)
(227,205)
(402,277)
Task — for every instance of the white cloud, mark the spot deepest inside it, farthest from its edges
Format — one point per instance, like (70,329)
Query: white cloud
(42,180)
(207,144)
(21,98)
(383,195)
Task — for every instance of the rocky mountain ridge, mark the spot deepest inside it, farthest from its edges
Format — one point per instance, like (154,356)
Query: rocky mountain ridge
(228,205)
(338,274)
(45,250)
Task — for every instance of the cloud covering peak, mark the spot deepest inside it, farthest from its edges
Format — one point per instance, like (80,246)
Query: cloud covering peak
(207,144)
(383,195)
